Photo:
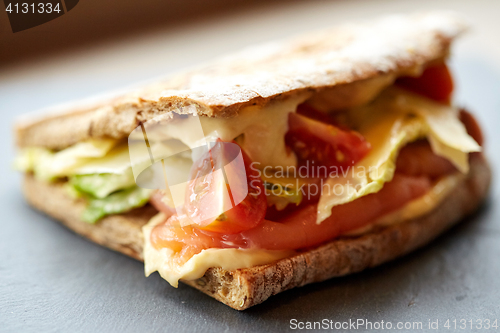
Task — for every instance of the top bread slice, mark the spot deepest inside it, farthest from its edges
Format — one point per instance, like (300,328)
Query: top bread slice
(337,57)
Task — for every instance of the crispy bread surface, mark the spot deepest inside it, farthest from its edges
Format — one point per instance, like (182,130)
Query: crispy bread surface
(393,46)
(243,288)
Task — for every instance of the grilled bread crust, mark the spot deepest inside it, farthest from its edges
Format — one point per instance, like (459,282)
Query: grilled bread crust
(340,59)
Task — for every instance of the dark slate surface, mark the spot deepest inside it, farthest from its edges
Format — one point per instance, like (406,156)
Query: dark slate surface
(54,280)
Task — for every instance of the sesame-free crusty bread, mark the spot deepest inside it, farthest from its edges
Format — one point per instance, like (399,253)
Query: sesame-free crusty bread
(395,45)
(243,288)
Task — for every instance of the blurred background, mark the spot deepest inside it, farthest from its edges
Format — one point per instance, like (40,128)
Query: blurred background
(103,44)
(107,20)
(113,43)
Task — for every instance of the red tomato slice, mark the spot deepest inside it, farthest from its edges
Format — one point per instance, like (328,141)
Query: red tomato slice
(435,82)
(205,191)
(323,143)
(209,199)
(299,230)
(415,166)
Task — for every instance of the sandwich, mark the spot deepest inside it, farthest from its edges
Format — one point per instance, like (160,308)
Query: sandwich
(284,164)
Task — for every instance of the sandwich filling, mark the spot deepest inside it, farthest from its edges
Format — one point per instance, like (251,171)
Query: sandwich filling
(313,172)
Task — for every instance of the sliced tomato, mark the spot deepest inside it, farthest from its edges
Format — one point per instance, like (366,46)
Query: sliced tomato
(299,230)
(212,204)
(435,82)
(209,191)
(224,195)
(321,144)
(184,241)
(416,166)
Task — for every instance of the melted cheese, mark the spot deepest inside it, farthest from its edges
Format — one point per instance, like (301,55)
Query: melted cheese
(263,131)
(197,265)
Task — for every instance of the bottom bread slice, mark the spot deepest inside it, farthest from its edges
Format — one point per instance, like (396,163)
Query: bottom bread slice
(243,288)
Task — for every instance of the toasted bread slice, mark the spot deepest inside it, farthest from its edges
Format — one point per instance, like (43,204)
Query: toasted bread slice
(243,288)
(342,59)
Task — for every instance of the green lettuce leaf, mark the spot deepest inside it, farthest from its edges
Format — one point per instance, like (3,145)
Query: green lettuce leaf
(116,203)
(102,185)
